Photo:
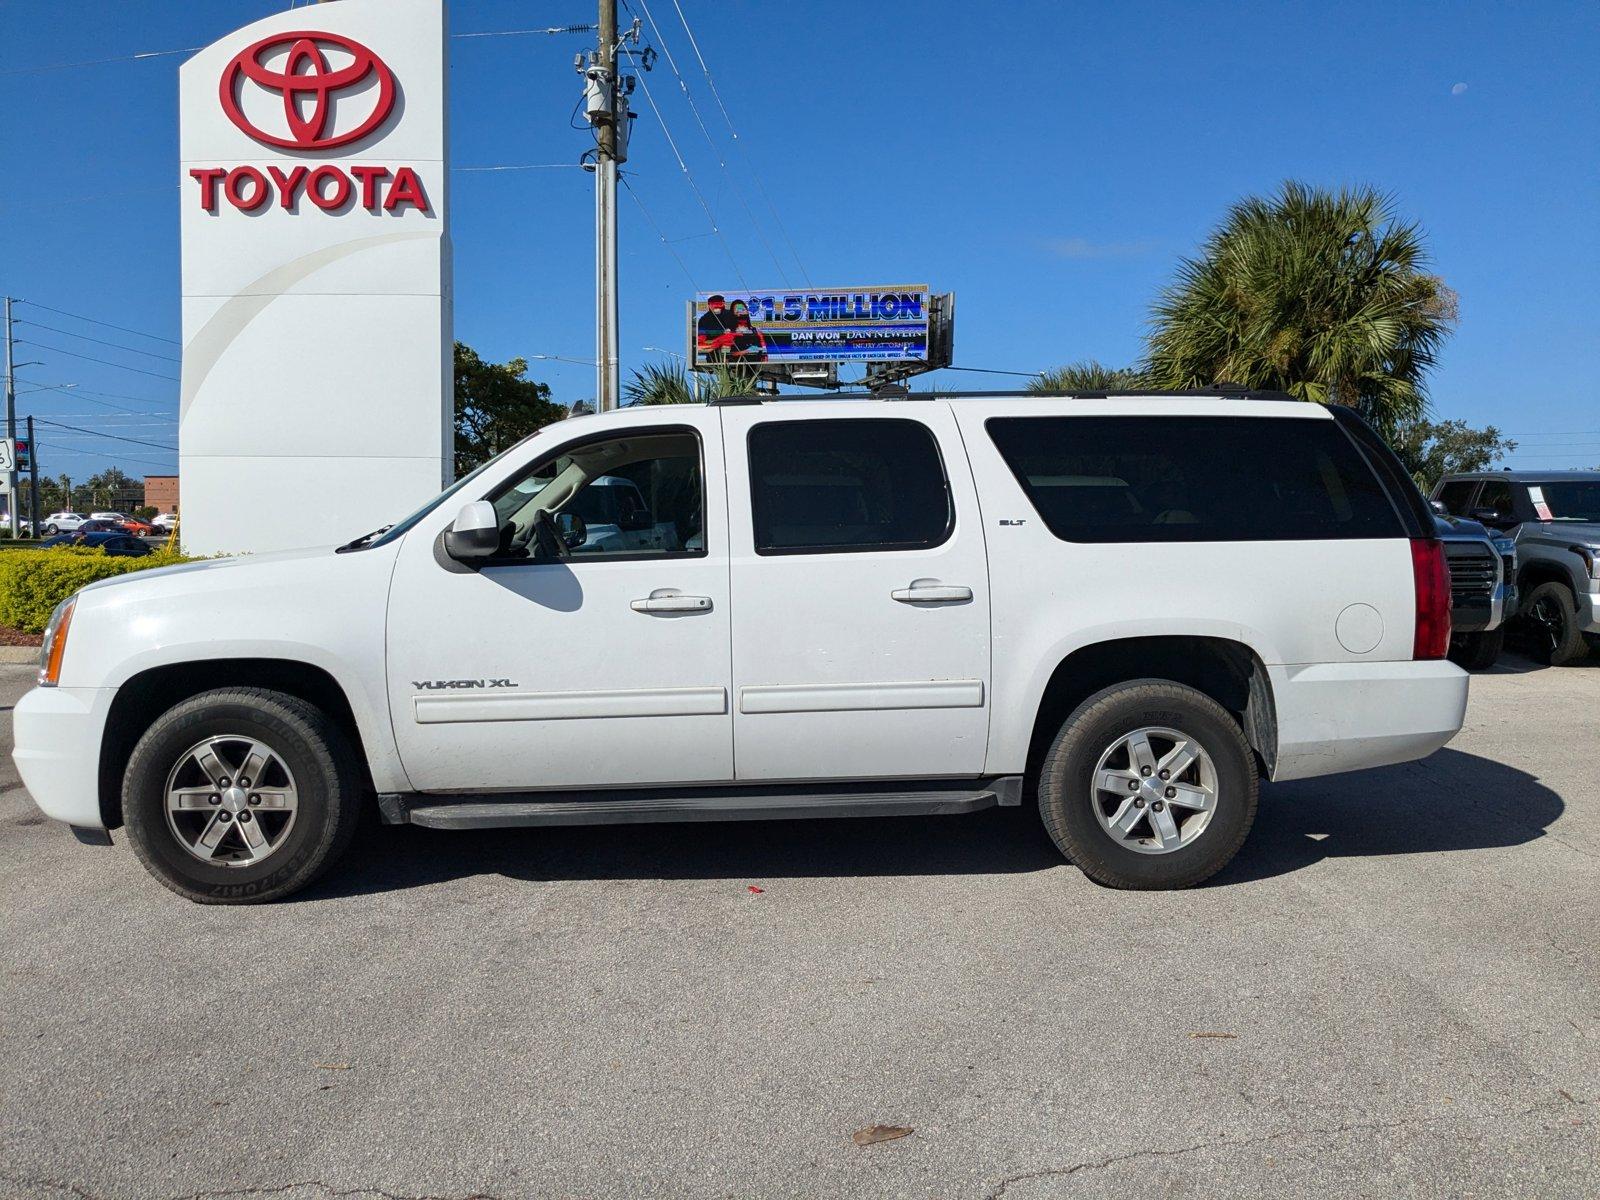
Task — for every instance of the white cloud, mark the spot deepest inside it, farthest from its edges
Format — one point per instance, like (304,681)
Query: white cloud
(1458,89)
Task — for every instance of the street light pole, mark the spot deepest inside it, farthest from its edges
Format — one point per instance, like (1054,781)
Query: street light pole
(11,426)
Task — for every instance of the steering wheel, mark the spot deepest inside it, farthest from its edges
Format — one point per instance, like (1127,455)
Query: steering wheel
(547,537)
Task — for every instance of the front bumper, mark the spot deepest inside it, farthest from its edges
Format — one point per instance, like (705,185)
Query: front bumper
(57,733)
(1336,717)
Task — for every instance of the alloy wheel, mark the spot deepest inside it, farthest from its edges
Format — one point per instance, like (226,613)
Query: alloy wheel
(231,801)
(1154,790)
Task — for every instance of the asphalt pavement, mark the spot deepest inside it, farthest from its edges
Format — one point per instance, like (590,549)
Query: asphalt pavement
(1395,989)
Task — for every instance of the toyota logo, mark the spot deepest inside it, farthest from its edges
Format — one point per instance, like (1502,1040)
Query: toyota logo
(308,85)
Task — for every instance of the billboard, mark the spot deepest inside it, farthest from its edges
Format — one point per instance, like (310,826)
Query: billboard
(889,324)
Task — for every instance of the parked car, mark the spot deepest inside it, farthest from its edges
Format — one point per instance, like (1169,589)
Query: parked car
(164,522)
(96,525)
(1554,518)
(115,543)
(137,528)
(60,539)
(1481,598)
(63,522)
(114,518)
(914,607)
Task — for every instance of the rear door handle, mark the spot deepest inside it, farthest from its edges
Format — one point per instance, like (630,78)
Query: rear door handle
(670,600)
(932,593)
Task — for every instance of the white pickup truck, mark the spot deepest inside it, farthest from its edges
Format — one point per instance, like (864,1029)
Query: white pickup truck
(1125,609)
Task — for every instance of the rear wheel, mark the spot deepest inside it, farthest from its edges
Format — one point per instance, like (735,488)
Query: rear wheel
(1149,785)
(1553,619)
(1477,651)
(241,795)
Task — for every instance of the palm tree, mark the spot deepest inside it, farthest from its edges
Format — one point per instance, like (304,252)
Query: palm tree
(1088,375)
(1321,294)
(668,383)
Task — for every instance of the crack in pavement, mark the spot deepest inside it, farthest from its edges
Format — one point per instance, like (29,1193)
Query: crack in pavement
(1337,1131)
(224,1194)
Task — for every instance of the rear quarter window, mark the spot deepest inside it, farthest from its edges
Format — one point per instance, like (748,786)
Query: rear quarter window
(1194,479)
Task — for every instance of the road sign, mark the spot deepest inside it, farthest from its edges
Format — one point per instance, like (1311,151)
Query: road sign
(24,454)
(8,454)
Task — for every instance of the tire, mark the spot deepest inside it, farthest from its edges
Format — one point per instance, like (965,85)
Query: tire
(51,531)
(303,809)
(1552,614)
(1091,742)
(1477,651)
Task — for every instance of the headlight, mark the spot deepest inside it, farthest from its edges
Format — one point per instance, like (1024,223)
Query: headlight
(55,643)
(1588,554)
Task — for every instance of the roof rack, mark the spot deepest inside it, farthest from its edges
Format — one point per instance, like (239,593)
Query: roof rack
(1225,392)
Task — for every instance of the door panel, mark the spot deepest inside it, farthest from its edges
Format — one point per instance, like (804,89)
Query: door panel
(554,675)
(854,663)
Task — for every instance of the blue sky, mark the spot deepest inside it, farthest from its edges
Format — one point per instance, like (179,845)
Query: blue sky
(1048,163)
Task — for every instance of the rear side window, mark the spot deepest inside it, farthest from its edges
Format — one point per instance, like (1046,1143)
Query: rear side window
(820,487)
(1496,494)
(1455,496)
(1194,479)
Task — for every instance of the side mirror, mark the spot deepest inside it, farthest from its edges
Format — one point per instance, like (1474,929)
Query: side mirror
(474,534)
(572,529)
(1487,516)
(1438,507)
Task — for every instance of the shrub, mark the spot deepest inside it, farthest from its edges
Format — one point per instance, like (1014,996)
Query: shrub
(33,582)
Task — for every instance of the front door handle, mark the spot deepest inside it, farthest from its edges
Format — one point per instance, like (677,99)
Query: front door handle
(927,592)
(670,600)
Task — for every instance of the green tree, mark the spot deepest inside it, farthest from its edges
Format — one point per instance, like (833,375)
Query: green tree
(1431,450)
(1321,294)
(1088,375)
(668,383)
(495,407)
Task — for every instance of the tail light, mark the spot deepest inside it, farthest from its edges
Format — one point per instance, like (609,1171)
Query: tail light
(1432,579)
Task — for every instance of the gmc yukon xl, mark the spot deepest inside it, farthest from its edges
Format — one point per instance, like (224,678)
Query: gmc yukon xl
(1124,609)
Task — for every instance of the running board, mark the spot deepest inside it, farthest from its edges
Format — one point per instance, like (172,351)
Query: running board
(640,807)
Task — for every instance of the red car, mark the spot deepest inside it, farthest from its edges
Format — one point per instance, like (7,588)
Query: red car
(138,528)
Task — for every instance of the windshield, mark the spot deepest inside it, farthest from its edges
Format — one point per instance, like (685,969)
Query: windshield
(1570,500)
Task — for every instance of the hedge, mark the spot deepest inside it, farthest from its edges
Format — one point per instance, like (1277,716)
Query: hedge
(33,582)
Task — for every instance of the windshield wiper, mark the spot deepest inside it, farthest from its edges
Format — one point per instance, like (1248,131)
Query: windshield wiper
(364,540)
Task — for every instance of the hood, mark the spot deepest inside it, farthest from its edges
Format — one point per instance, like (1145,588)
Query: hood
(242,562)
(1459,528)
(1584,532)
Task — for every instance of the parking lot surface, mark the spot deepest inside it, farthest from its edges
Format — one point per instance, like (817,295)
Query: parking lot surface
(1394,989)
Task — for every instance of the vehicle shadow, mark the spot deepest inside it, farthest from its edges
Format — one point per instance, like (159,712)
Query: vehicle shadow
(1451,801)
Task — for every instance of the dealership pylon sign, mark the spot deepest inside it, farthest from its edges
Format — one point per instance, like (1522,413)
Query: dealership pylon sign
(316,275)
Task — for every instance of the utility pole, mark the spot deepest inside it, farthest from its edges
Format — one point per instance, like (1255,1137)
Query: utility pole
(11,426)
(33,482)
(606,105)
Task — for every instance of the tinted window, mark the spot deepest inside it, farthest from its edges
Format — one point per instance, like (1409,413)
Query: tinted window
(1194,479)
(832,486)
(1572,501)
(1496,494)
(1455,496)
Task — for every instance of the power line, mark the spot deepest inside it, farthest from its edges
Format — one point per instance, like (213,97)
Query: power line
(734,133)
(41,448)
(90,358)
(98,62)
(519,167)
(38,420)
(523,32)
(710,143)
(100,341)
(693,186)
(96,321)
(676,257)
(74,390)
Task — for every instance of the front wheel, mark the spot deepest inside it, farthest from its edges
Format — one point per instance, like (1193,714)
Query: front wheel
(51,530)
(1553,618)
(241,795)
(1149,785)
(1477,651)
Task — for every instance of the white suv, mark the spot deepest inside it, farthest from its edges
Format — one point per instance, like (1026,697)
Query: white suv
(63,522)
(1123,609)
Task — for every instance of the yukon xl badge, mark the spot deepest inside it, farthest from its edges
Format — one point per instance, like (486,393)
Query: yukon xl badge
(437,685)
